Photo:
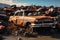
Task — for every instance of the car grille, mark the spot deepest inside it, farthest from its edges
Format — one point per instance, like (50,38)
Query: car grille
(39,21)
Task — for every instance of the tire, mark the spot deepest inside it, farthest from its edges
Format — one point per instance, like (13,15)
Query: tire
(27,24)
(28,28)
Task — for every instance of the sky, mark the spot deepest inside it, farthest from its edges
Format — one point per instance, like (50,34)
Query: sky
(32,2)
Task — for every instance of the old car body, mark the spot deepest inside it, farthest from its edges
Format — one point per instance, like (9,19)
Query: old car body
(33,17)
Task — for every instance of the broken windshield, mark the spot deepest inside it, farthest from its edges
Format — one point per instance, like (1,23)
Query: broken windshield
(27,14)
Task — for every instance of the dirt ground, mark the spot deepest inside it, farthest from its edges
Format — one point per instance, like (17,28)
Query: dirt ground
(54,37)
(43,35)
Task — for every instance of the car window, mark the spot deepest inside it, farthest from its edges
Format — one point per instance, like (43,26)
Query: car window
(27,14)
(32,14)
(19,14)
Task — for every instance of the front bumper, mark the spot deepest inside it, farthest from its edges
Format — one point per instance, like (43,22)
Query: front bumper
(44,25)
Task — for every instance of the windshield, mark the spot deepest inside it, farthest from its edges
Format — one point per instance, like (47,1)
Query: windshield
(32,14)
(27,14)
(19,14)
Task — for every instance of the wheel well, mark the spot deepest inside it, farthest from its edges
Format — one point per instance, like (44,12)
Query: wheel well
(27,24)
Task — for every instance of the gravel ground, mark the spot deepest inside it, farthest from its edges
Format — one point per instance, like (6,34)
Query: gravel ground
(56,37)
(44,35)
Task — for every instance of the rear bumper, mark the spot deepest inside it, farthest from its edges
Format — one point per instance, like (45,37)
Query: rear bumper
(44,25)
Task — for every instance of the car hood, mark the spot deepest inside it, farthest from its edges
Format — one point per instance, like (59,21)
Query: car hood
(30,18)
(42,17)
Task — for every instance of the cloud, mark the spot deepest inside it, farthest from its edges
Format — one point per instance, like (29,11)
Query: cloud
(10,2)
(19,4)
(7,2)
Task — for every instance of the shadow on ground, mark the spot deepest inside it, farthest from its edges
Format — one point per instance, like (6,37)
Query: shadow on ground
(46,32)
(1,37)
(41,32)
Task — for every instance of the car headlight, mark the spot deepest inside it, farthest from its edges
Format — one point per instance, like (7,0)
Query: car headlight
(36,20)
(0,22)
